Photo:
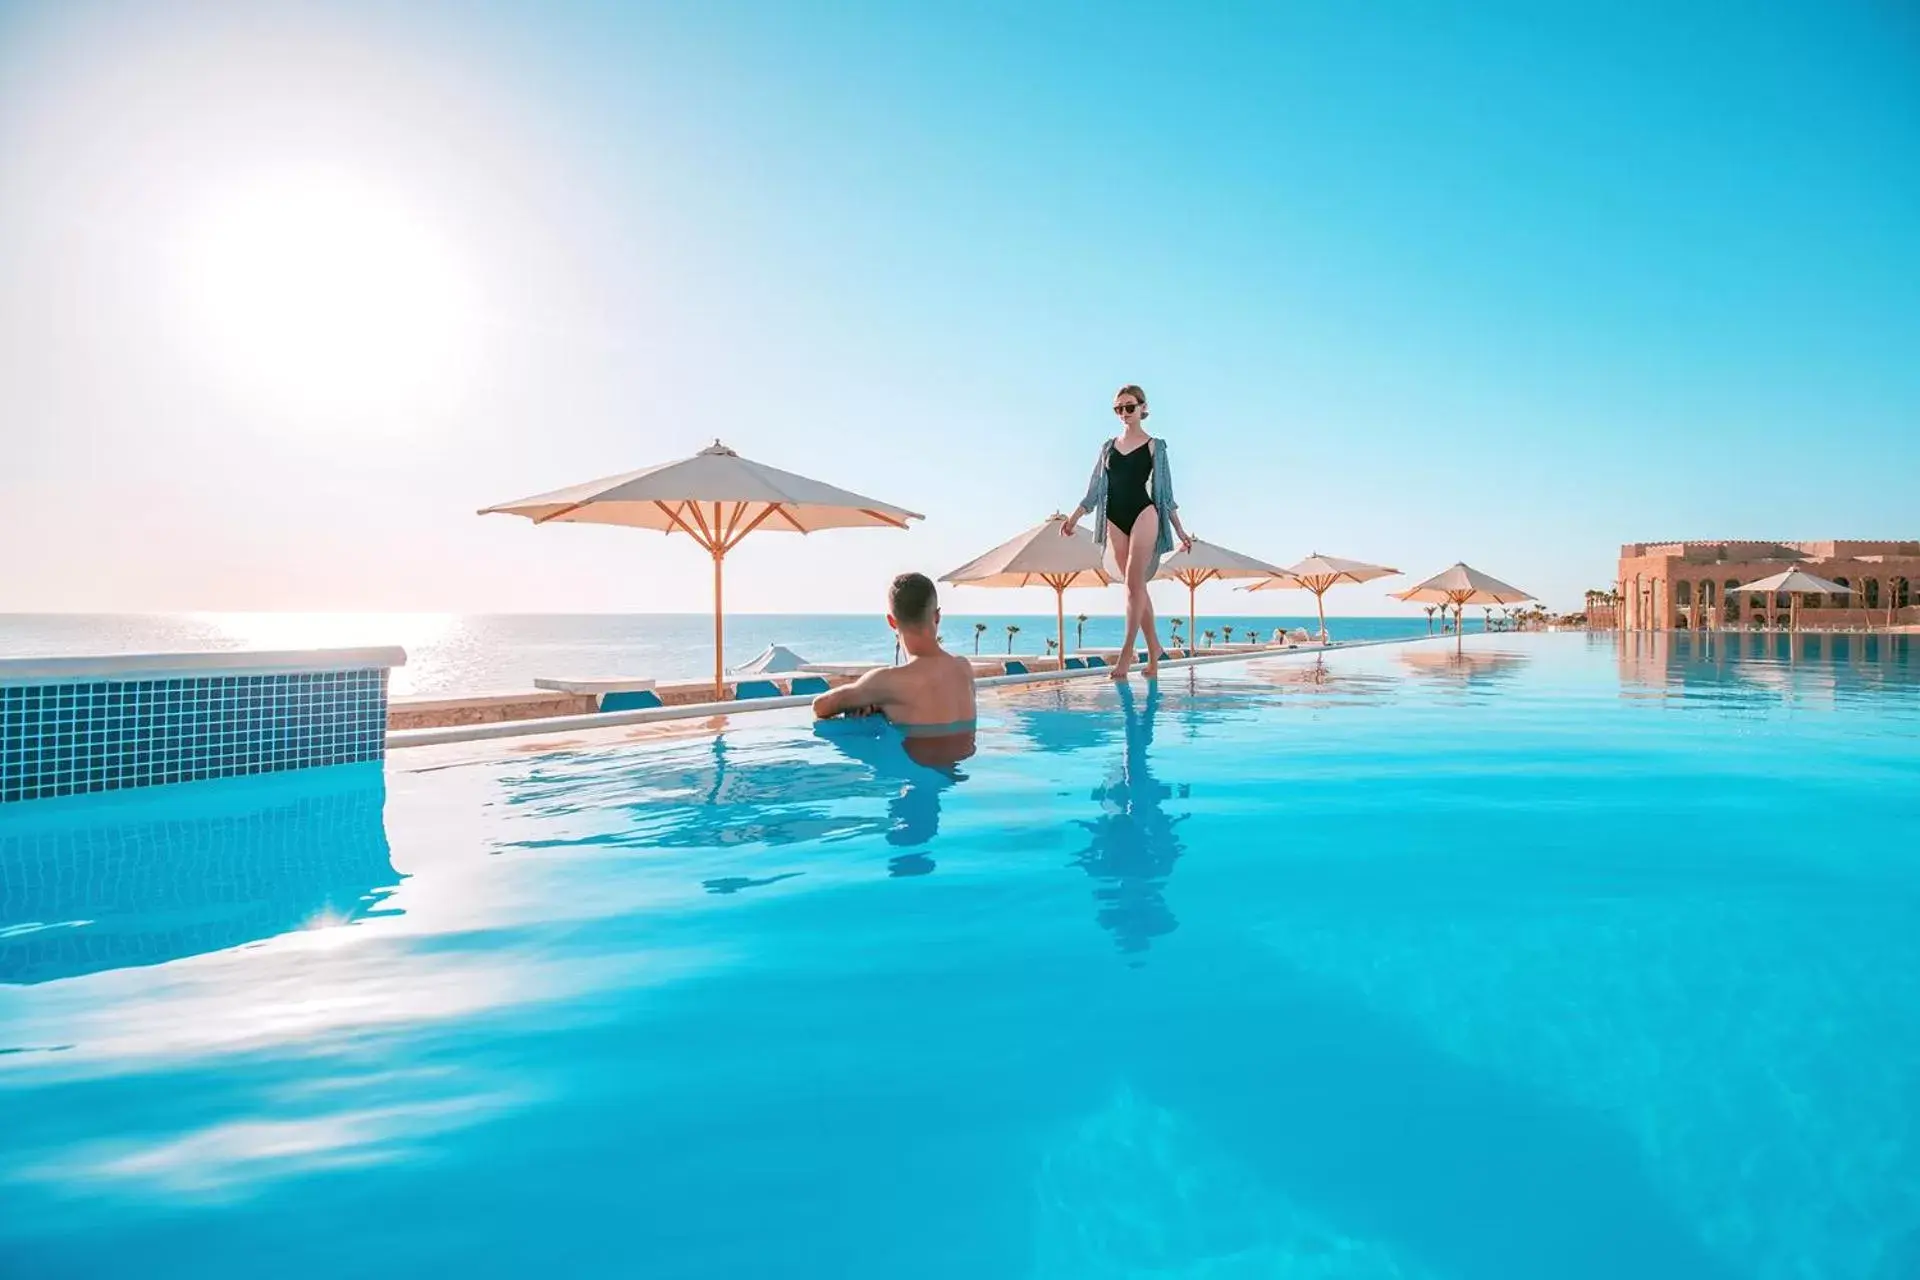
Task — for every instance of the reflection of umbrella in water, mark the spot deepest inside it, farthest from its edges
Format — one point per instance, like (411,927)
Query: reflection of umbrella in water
(716,498)
(1318,678)
(1460,586)
(1133,843)
(1465,665)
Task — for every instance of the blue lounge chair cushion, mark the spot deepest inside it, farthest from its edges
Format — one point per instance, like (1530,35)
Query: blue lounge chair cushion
(1075,664)
(629,700)
(1095,660)
(1016,668)
(809,684)
(757,689)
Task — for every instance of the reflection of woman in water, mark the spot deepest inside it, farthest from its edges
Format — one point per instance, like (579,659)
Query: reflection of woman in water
(1134,845)
(1130,498)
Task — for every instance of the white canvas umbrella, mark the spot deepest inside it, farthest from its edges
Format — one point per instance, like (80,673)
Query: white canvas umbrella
(1795,582)
(1318,574)
(716,498)
(1205,562)
(775,659)
(1460,586)
(1039,557)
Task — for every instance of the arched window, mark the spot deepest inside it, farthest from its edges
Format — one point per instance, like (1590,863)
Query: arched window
(1732,589)
(1683,593)
(1902,593)
(1842,602)
(1871,592)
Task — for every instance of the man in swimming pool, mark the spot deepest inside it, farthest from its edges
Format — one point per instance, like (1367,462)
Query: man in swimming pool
(929,697)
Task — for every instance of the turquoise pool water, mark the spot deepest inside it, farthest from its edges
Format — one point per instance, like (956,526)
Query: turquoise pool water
(1555,959)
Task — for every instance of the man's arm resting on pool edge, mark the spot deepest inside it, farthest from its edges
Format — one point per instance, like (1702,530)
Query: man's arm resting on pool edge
(868,693)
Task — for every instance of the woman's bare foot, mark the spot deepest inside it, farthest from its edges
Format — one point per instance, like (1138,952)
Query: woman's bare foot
(1152,670)
(1119,671)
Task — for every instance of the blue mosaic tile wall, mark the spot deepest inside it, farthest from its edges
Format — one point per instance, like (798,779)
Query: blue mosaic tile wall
(74,738)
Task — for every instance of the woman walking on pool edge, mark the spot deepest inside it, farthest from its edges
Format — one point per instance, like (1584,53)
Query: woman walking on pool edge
(1131,495)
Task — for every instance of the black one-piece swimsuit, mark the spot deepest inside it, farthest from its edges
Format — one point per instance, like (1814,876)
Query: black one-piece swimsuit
(1129,485)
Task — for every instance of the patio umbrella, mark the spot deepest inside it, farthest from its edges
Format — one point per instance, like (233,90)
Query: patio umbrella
(1317,573)
(1459,586)
(1205,562)
(716,498)
(1795,582)
(1039,556)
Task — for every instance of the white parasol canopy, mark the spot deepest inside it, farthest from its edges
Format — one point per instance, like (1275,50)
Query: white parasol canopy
(716,498)
(1459,586)
(1796,582)
(1318,573)
(1206,562)
(1039,557)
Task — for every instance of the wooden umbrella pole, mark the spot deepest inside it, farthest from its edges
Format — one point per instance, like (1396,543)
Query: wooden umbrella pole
(719,638)
(1193,614)
(1060,618)
(1320,599)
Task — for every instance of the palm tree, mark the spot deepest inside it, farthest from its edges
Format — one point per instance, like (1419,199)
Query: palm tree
(1174,627)
(1052,644)
(1209,635)
(979,629)
(1487,623)
(1430,609)
(1013,629)
(1227,631)
(1080,632)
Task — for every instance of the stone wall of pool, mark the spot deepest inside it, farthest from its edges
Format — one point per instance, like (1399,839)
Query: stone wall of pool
(76,726)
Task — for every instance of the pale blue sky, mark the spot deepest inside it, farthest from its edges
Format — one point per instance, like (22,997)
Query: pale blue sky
(287,292)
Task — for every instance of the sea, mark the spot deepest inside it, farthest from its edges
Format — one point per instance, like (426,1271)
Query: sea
(453,653)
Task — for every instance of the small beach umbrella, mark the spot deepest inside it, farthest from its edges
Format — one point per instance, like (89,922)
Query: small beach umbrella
(1796,582)
(1460,586)
(716,498)
(1039,557)
(1205,562)
(775,659)
(1318,574)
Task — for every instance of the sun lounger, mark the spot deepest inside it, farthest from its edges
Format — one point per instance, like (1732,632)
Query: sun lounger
(756,689)
(1014,667)
(809,684)
(612,694)
(1075,664)
(1095,660)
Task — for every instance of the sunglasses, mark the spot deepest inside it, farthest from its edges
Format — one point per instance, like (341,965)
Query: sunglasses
(1128,407)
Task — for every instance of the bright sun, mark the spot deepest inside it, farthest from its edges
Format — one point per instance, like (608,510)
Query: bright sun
(321,292)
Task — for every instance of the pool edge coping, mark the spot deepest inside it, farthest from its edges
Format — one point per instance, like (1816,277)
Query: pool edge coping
(447,735)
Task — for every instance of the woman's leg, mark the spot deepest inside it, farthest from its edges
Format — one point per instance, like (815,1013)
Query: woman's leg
(1123,556)
(1146,531)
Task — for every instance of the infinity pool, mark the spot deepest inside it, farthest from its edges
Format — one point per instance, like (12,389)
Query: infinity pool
(1563,957)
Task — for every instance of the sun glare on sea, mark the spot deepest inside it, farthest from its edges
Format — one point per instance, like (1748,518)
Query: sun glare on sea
(318,290)
(426,637)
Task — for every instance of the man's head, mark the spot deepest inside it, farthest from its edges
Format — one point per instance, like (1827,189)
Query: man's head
(912,605)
